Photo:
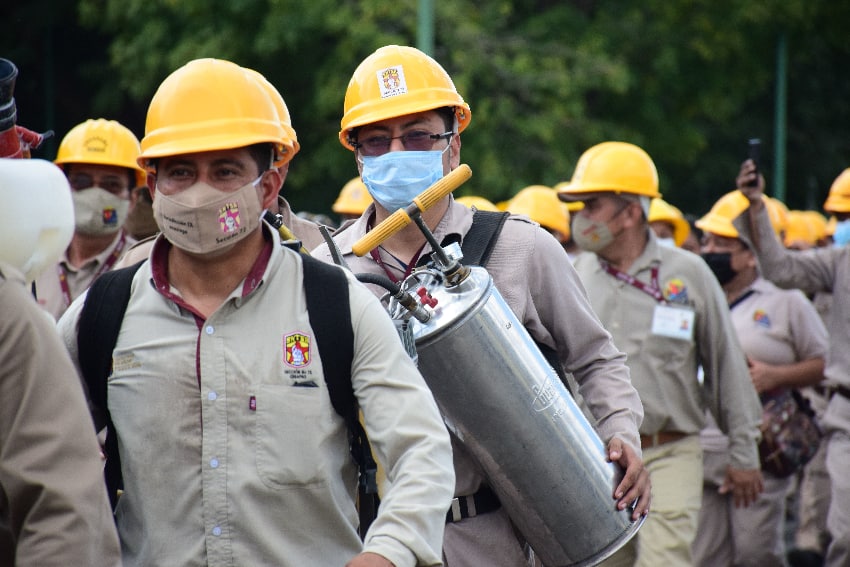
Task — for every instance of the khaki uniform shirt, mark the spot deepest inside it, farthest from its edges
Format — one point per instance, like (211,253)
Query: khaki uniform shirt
(534,275)
(53,505)
(231,451)
(664,369)
(49,287)
(819,269)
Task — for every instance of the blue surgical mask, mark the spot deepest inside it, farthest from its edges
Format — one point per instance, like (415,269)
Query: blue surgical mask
(395,178)
(841,236)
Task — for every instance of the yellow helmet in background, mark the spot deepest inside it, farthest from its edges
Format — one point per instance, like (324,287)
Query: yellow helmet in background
(838,200)
(799,233)
(818,223)
(353,199)
(541,204)
(396,81)
(616,167)
(662,211)
(210,104)
(831,225)
(480,203)
(290,139)
(727,208)
(778,213)
(101,142)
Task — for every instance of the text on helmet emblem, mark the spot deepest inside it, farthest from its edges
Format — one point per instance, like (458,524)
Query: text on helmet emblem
(391,81)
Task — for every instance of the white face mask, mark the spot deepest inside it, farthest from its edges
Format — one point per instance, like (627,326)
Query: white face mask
(203,220)
(98,212)
(667,242)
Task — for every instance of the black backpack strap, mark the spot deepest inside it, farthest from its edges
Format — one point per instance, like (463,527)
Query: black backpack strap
(97,332)
(481,238)
(326,288)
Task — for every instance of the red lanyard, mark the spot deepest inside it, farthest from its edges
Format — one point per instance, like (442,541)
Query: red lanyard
(652,289)
(107,265)
(407,268)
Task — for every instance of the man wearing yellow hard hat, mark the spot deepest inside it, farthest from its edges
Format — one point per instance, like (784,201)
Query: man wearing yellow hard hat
(231,450)
(99,159)
(812,271)
(403,119)
(666,310)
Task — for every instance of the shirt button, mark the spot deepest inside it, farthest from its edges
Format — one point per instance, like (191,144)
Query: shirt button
(210,329)
(216,531)
(212,396)
(214,463)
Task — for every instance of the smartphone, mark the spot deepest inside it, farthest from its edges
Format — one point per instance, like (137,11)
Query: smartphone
(754,149)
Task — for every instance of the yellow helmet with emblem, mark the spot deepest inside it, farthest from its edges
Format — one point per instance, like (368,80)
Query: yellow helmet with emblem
(101,142)
(395,81)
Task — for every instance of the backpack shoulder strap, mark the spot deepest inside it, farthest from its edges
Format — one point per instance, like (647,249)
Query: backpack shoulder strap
(97,333)
(481,238)
(326,289)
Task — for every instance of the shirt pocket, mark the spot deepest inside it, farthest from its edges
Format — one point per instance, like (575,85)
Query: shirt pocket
(288,440)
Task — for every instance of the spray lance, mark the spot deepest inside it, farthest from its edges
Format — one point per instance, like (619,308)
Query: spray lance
(505,403)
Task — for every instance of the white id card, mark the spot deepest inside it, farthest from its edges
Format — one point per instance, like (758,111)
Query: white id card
(674,322)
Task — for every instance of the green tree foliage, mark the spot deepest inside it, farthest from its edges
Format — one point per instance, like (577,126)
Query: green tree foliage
(688,81)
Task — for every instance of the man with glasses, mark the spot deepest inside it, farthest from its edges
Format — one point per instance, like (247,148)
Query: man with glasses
(403,119)
(99,160)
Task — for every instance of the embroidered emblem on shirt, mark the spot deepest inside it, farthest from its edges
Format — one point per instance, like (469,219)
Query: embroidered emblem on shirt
(296,350)
(676,291)
(110,216)
(228,218)
(761,318)
(391,81)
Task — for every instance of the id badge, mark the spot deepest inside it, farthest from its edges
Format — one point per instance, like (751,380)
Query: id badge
(673,322)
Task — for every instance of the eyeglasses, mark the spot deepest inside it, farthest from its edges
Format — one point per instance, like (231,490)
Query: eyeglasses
(416,140)
(112,183)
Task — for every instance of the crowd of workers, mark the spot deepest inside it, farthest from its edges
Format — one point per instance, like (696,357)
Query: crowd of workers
(674,331)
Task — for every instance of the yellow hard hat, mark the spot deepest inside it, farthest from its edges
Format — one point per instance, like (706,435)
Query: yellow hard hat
(206,105)
(541,204)
(290,140)
(353,199)
(831,225)
(727,208)
(838,200)
(572,206)
(617,167)
(799,230)
(778,213)
(662,211)
(818,223)
(396,81)
(101,142)
(479,203)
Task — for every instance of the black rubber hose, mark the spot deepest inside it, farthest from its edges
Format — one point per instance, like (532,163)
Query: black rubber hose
(382,281)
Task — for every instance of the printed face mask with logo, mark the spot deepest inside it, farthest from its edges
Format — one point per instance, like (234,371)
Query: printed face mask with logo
(203,220)
(97,212)
(592,235)
(395,178)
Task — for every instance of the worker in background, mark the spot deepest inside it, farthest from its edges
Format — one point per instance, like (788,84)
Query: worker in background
(99,160)
(352,200)
(668,223)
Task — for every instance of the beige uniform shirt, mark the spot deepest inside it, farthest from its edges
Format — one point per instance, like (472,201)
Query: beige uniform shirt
(53,505)
(49,286)
(231,451)
(533,274)
(664,368)
(820,269)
